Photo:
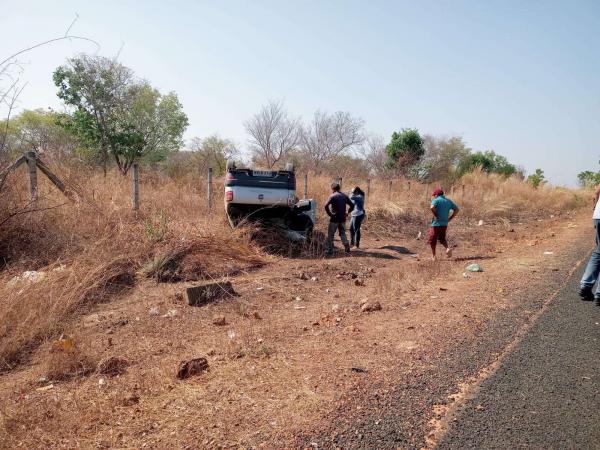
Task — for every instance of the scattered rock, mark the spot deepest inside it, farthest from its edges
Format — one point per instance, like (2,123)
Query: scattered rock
(256,315)
(208,293)
(211,352)
(358,370)
(297,299)
(260,288)
(102,382)
(479,408)
(219,321)
(171,313)
(359,282)
(335,308)
(45,388)
(370,307)
(192,367)
(113,366)
(474,268)
(480,223)
(303,276)
(548,253)
(443,288)
(154,311)
(131,399)
(314,279)
(178,296)
(231,334)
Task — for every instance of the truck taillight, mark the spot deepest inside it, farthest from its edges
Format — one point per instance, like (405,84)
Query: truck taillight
(229,196)
(230,176)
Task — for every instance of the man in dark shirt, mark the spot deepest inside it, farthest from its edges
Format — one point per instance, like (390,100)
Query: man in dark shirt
(336,210)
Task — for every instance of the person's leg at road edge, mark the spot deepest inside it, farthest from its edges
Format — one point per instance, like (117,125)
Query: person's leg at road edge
(592,271)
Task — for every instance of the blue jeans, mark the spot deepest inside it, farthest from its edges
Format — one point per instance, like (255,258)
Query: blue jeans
(340,227)
(355,223)
(592,269)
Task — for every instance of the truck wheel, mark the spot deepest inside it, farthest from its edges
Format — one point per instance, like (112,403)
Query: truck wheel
(289,167)
(230,165)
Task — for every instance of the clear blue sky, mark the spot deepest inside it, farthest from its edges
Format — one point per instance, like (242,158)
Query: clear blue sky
(521,78)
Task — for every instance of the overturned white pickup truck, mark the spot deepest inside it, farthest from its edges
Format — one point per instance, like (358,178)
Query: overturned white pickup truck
(268,197)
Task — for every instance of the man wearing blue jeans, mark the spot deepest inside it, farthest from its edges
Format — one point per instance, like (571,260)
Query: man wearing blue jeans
(593,267)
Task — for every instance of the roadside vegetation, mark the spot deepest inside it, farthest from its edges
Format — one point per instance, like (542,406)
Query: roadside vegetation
(61,259)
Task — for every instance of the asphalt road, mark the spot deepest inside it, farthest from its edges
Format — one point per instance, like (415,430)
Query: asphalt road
(546,392)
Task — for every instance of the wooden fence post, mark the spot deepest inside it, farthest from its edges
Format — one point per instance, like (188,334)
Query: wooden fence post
(136,187)
(390,188)
(368,187)
(408,186)
(209,189)
(305,186)
(32,170)
(426,191)
(339,180)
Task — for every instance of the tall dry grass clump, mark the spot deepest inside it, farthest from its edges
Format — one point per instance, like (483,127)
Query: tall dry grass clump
(62,258)
(96,248)
(493,196)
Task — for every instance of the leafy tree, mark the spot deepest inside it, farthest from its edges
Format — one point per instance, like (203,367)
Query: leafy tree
(117,115)
(536,179)
(489,162)
(39,131)
(405,149)
(588,178)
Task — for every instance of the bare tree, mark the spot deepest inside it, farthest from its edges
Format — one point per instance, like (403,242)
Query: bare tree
(329,136)
(373,153)
(272,133)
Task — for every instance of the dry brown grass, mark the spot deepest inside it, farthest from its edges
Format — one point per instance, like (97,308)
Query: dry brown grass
(106,249)
(174,237)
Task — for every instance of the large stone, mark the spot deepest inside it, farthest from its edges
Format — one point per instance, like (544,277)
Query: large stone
(192,367)
(208,293)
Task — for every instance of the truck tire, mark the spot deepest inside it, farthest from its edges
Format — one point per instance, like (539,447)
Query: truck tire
(230,165)
(289,167)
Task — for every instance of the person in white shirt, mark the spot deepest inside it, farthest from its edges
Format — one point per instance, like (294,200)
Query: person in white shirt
(592,270)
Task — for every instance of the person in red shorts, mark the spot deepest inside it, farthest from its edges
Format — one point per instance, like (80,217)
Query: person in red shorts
(444,210)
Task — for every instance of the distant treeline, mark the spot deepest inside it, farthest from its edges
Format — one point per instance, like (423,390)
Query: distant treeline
(114,118)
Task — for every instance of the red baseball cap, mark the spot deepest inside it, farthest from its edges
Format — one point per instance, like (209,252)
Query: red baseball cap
(437,192)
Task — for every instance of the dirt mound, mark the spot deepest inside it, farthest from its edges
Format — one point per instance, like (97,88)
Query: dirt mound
(202,259)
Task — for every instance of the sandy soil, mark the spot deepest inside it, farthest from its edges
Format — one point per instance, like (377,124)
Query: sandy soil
(297,363)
